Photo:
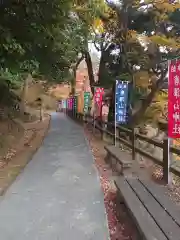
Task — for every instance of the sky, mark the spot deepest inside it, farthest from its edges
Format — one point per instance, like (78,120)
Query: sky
(93,50)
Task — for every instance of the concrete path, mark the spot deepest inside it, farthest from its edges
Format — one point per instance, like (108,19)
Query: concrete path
(58,196)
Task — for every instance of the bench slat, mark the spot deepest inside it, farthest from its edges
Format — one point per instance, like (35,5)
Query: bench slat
(159,192)
(160,216)
(145,223)
(122,157)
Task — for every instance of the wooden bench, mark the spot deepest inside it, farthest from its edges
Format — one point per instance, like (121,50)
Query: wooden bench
(155,215)
(116,157)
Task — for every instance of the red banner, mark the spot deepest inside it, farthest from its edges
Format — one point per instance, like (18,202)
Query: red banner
(99,92)
(98,97)
(174,99)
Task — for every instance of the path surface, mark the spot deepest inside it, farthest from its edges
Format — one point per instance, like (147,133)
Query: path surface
(58,196)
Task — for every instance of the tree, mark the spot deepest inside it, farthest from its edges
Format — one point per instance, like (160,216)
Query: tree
(87,13)
(141,45)
(33,40)
(30,32)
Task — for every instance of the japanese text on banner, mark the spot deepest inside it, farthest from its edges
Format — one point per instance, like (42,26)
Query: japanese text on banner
(174,99)
(121,101)
(98,98)
(99,95)
(86,101)
(74,104)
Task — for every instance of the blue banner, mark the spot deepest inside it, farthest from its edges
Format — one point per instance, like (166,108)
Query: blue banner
(64,103)
(121,102)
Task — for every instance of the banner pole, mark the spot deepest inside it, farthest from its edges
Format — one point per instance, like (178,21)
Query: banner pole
(168,142)
(115,131)
(94,124)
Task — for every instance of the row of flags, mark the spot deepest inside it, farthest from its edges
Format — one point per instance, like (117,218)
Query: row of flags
(82,104)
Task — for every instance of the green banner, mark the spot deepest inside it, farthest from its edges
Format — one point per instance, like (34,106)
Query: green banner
(87,100)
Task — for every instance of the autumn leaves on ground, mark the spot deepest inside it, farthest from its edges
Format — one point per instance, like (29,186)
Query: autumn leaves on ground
(19,139)
(20,149)
(120,224)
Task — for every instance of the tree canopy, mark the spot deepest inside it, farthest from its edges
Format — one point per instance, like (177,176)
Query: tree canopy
(44,37)
(32,36)
(51,37)
(138,36)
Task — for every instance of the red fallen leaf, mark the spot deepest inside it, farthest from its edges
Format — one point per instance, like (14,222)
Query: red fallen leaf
(118,230)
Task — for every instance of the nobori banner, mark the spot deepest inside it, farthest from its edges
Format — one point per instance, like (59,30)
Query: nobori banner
(174,99)
(87,100)
(67,103)
(70,103)
(74,102)
(64,103)
(98,96)
(121,101)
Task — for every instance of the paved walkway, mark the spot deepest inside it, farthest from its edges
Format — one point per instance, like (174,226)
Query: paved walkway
(58,196)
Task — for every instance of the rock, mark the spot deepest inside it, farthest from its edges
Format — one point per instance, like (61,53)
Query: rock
(151,132)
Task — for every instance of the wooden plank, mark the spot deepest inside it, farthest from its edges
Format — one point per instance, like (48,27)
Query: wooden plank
(124,129)
(175,150)
(161,217)
(175,170)
(122,157)
(149,140)
(145,223)
(159,193)
(149,155)
(125,142)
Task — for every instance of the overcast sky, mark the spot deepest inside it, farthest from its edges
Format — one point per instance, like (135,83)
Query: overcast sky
(93,50)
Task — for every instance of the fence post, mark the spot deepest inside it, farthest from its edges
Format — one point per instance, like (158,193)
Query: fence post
(133,141)
(104,130)
(85,118)
(119,135)
(166,161)
(114,135)
(94,123)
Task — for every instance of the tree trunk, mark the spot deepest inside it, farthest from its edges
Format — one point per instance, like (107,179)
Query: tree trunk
(111,114)
(104,76)
(137,116)
(90,71)
(148,100)
(73,83)
(101,67)
(41,112)
(24,95)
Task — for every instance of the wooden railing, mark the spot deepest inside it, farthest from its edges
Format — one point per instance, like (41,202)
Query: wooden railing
(106,128)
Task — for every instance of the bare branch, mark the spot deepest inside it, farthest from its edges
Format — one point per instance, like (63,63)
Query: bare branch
(79,61)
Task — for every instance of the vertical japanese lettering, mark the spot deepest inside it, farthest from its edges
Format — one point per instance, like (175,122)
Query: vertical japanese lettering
(174,100)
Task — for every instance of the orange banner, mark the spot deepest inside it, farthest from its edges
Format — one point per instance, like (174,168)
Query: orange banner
(80,102)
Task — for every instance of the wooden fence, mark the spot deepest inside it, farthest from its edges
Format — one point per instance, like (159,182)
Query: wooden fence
(167,151)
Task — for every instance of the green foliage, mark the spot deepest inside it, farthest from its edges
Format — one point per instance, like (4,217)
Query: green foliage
(45,38)
(29,33)
(13,80)
(139,30)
